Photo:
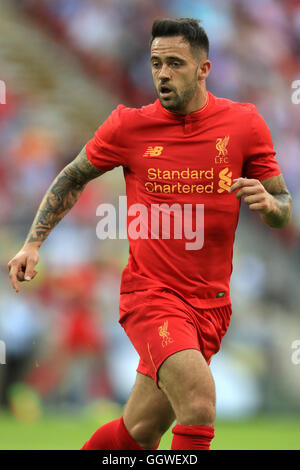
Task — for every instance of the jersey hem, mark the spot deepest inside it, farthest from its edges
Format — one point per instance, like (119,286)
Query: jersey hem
(192,300)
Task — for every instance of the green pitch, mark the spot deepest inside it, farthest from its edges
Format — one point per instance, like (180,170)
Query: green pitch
(70,431)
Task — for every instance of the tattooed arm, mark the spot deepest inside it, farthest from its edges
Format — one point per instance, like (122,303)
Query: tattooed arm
(269,197)
(280,216)
(61,196)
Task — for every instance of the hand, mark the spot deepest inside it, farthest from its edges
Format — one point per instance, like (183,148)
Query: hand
(255,195)
(21,267)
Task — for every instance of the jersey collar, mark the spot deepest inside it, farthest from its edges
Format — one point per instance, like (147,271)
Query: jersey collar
(195,115)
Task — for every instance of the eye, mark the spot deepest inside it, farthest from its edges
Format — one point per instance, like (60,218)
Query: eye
(155,65)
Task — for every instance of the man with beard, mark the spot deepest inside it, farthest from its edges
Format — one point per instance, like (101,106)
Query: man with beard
(175,302)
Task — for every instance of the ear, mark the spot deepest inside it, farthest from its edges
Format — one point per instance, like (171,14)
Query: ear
(204,69)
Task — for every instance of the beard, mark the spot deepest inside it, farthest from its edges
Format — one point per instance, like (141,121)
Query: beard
(179,101)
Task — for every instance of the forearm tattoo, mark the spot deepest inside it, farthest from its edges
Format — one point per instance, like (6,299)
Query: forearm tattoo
(282,214)
(61,196)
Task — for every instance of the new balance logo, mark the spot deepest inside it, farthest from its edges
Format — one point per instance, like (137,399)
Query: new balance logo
(153,151)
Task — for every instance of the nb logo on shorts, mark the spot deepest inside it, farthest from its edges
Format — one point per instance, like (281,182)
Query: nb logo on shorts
(153,151)
(163,332)
(225,180)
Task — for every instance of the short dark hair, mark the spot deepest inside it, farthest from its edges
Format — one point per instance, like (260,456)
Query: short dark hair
(189,28)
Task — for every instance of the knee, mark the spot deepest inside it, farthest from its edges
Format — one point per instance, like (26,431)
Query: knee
(197,411)
(148,433)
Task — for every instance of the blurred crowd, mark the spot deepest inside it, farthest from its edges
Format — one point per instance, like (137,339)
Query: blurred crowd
(61,332)
(255,50)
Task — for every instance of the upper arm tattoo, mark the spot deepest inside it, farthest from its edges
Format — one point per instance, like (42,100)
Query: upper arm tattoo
(81,170)
(61,196)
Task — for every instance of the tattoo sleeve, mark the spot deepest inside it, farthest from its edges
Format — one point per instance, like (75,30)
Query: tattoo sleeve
(61,196)
(280,217)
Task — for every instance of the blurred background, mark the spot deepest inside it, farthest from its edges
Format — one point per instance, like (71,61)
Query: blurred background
(69,366)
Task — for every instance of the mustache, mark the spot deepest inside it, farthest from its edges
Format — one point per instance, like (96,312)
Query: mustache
(164,85)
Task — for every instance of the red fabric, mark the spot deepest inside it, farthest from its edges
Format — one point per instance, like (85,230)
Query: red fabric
(112,436)
(192,437)
(163,324)
(175,159)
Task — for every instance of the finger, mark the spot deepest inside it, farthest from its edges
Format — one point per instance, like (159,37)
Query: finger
(256,207)
(20,276)
(247,181)
(241,182)
(237,183)
(29,269)
(13,270)
(249,190)
(253,199)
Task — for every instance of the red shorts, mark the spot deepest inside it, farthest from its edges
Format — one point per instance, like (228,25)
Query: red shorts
(160,323)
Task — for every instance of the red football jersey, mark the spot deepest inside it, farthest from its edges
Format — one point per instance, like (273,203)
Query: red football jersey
(187,163)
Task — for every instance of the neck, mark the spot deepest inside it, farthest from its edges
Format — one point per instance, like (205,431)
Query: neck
(198,101)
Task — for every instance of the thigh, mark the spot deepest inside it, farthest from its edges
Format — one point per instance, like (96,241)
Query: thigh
(187,381)
(148,410)
(158,324)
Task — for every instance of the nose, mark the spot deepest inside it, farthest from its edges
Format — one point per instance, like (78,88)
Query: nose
(164,73)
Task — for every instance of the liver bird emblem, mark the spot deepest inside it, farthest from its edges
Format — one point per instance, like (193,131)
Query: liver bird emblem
(221,146)
(164,333)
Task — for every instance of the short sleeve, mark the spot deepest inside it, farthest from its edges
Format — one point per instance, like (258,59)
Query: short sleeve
(259,160)
(106,150)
